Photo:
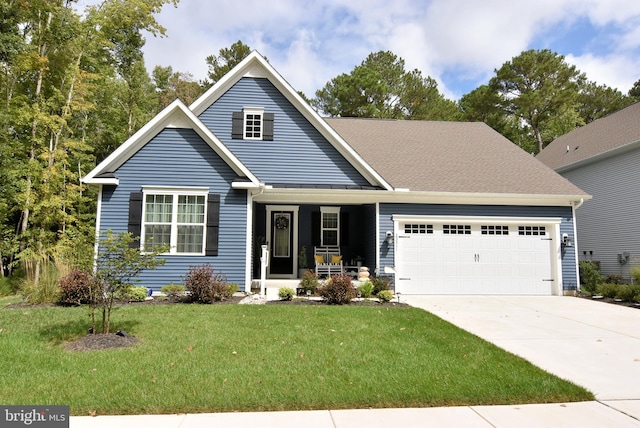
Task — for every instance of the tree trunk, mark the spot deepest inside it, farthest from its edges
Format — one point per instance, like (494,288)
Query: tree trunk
(536,131)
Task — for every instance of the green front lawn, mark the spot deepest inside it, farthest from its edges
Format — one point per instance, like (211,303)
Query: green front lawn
(220,358)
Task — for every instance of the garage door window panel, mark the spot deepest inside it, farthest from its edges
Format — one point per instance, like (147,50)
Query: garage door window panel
(456,229)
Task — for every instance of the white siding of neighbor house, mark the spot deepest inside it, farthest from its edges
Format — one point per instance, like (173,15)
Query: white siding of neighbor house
(609,224)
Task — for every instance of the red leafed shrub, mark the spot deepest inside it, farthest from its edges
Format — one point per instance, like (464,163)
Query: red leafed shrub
(78,287)
(338,290)
(207,286)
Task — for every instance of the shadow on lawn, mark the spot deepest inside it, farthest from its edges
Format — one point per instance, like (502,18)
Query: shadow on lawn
(71,330)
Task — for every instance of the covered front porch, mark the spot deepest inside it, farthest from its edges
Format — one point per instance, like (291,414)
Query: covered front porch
(292,232)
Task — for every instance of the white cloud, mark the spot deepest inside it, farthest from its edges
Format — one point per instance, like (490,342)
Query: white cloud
(457,42)
(616,71)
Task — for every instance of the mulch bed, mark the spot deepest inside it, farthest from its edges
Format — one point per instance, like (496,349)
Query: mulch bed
(610,301)
(95,342)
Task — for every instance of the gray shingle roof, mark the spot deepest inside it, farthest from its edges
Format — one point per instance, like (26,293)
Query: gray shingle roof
(596,138)
(462,157)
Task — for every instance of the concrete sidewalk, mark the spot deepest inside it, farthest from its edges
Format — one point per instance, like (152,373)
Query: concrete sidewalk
(570,415)
(593,344)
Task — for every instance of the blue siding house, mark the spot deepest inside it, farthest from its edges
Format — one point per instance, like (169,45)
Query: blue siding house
(440,207)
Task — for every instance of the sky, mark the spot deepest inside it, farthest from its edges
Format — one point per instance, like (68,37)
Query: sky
(459,43)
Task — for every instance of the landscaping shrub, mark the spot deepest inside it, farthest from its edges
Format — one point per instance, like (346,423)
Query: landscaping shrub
(338,290)
(309,282)
(614,279)
(77,288)
(206,285)
(380,283)
(590,277)
(385,296)
(628,293)
(286,293)
(173,291)
(133,293)
(608,290)
(366,289)
(635,274)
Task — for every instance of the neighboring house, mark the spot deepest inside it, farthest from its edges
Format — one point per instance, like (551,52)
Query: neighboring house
(603,158)
(441,207)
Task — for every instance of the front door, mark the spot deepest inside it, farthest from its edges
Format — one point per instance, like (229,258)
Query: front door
(282,242)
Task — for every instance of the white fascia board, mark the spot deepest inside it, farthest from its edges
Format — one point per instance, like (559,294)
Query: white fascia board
(175,115)
(475,219)
(131,145)
(345,196)
(112,180)
(246,68)
(487,198)
(600,156)
(254,65)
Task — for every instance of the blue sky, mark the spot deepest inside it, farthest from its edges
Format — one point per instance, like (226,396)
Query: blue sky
(457,42)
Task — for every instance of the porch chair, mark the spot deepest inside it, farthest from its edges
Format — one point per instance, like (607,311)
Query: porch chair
(328,261)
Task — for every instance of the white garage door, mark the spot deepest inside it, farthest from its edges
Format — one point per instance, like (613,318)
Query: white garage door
(459,258)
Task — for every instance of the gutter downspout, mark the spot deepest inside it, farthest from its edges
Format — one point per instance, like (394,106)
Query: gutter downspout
(574,207)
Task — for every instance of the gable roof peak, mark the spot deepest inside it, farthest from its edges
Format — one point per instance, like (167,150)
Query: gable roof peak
(175,115)
(256,66)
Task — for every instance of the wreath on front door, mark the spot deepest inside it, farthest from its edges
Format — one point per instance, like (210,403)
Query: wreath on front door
(282,222)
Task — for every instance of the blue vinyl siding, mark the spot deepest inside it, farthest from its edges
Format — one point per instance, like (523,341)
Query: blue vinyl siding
(299,154)
(179,157)
(569,275)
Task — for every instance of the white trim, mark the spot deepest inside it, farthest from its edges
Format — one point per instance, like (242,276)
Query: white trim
(254,111)
(175,193)
(377,268)
(176,189)
(254,65)
(599,156)
(575,245)
(174,113)
(96,244)
(348,196)
(329,210)
(476,219)
(249,245)
(295,209)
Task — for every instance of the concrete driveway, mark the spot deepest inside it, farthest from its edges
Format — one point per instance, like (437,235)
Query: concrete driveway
(593,344)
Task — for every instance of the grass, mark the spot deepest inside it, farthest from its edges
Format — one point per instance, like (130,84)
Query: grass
(220,358)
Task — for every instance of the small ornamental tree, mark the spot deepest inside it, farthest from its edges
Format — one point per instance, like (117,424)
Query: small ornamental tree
(118,264)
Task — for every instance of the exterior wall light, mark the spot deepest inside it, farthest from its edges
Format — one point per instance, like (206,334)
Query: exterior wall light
(389,238)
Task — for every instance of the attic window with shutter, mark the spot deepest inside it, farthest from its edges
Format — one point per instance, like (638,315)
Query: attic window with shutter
(252,123)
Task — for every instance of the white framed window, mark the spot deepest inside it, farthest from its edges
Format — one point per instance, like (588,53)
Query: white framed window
(253,126)
(330,226)
(174,217)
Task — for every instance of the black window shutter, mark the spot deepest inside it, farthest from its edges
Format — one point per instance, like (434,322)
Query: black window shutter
(267,123)
(315,228)
(237,125)
(135,217)
(213,224)
(344,228)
